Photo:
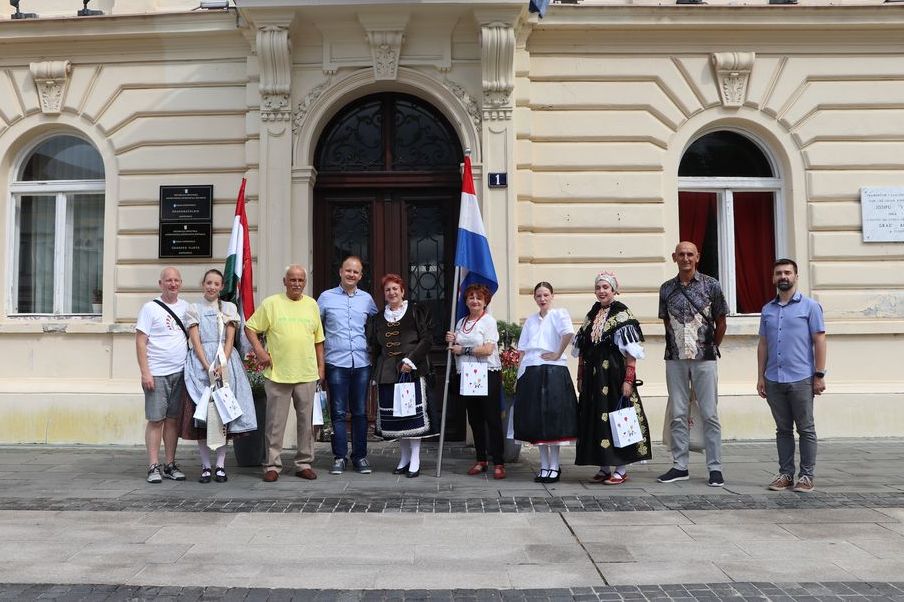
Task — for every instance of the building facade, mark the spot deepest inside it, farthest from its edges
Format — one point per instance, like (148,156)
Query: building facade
(621,127)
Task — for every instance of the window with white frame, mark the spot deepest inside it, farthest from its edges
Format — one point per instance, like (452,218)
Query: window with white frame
(729,205)
(58,238)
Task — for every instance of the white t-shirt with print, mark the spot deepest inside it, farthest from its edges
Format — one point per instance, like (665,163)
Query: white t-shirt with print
(167,348)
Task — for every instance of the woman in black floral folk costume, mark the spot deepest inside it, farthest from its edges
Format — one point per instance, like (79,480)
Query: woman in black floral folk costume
(609,345)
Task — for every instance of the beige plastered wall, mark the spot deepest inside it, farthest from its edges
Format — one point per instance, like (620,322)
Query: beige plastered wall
(164,99)
(608,100)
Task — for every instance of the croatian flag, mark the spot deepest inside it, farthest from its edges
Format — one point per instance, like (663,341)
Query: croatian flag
(238,286)
(472,251)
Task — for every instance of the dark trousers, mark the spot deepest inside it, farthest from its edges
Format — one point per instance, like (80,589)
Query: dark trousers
(485,418)
(792,405)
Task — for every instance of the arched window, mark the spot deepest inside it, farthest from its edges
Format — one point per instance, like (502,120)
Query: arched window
(728,200)
(58,197)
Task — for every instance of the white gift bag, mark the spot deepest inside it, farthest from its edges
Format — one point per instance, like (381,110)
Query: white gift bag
(227,405)
(473,379)
(215,429)
(404,401)
(319,403)
(624,425)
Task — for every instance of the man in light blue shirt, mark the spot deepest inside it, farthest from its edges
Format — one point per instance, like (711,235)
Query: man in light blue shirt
(791,359)
(344,311)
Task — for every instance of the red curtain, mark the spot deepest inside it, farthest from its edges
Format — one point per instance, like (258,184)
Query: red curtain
(754,225)
(695,209)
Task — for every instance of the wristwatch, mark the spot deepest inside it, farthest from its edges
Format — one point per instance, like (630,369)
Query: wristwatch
(820,373)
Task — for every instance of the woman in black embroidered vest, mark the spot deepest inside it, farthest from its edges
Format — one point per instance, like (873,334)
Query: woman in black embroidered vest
(609,344)
(400,338)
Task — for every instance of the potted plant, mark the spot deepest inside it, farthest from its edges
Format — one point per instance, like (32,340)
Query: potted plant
(509,333)
(97,301)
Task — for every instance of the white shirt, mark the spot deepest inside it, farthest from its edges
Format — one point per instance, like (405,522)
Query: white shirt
(167,346)
(484,331)
(543,335)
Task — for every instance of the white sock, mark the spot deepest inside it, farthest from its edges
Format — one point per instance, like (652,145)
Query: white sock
(544,457)
(221,456)
(404,453)
(622,469)
(415,455)
(554,457)
(204,452)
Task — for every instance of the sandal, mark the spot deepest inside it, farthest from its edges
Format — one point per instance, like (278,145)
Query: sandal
(616,479)
(601,476)
(479,467)
(499,471)
(220,475)
(205,475)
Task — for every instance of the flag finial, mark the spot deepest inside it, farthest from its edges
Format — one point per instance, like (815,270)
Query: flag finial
(467,152)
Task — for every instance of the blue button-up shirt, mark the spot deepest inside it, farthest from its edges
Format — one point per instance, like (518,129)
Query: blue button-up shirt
(789,331)
(344,316)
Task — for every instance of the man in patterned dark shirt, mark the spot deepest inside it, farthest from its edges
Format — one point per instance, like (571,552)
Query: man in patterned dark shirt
(693,309)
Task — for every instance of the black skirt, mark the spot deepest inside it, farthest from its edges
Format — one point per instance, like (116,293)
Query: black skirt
(545,405)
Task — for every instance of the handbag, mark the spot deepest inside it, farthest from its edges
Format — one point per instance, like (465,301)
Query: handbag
(694,426)
(473,379)
(624,424)
(319,404)
(227,405)
(404,402)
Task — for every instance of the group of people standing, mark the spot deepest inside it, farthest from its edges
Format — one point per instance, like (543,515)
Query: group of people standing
(345,341)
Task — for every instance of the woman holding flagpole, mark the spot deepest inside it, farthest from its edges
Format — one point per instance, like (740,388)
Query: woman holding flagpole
(211,327)
(475,344)
(399,339)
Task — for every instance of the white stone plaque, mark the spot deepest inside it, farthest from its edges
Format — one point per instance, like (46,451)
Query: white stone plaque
(882,210)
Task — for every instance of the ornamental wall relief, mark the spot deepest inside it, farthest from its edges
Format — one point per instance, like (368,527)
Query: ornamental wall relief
(50,79)
(732,70)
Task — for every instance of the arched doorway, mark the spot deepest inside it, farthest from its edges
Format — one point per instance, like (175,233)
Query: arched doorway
(388,190)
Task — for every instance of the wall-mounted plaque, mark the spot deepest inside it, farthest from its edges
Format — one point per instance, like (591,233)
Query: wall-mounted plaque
(882,210)
(498,180)
(186,203)
(185,240)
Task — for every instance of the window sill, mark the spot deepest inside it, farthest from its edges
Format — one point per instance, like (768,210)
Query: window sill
(61,325)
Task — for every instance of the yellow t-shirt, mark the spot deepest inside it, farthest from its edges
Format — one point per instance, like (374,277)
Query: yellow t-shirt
(292,329)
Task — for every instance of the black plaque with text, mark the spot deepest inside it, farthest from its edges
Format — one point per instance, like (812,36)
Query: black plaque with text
(186,204)
(185,240)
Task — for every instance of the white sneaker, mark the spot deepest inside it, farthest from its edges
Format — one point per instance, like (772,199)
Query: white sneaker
(154,475)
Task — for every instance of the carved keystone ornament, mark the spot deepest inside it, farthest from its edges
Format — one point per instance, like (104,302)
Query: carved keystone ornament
(50,79)
(733,74)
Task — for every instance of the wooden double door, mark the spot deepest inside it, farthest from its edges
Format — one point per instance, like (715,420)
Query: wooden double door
(405,231)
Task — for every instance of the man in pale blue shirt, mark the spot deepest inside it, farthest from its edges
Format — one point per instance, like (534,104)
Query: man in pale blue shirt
(344,311)
(791,360)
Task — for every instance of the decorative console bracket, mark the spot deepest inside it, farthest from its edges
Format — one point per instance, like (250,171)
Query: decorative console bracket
(50,78)
(732,71)
(273,52)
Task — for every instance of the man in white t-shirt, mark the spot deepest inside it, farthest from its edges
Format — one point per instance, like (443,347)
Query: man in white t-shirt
(160,340)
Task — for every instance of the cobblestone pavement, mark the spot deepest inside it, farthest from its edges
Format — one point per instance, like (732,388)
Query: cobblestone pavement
(81,524)
(851,592)
(437,505)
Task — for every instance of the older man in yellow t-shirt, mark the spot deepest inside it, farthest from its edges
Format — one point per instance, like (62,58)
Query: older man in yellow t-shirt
(293,364)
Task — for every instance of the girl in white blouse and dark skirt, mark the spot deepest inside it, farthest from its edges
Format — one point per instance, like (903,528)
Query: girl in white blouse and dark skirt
(545,410)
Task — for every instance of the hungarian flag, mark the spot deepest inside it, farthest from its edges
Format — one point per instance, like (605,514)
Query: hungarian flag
(238,285)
